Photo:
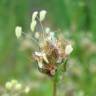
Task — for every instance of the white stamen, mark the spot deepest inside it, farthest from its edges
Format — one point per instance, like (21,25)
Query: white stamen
(37,35)
(18,31)
(40,64)
(34,15)
(33,25)
(42,15)
(68,49)
(42,54)
(38,53)
(45,58)
(47,30)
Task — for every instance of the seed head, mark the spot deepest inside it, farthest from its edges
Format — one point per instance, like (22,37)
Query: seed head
(51,50)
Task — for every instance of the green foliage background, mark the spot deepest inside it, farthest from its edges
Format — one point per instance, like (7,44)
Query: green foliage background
(78,17)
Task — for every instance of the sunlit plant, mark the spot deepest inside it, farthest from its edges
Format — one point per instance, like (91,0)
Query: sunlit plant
(52,53)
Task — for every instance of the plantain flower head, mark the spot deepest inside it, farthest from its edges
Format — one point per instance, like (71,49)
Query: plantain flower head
(52,50)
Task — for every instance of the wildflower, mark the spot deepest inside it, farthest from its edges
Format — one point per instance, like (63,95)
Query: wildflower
(52,50)
(33,25)
(68,49)
(34,15)
(42,15)
(18,31)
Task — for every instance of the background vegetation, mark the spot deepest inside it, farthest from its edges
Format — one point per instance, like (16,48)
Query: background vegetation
(76,19)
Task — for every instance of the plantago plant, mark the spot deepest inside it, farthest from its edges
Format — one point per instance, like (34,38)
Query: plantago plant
(53,51)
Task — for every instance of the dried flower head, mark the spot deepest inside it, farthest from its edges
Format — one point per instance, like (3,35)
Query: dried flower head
(53,52)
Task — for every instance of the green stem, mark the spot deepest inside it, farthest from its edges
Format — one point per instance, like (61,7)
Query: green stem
(54,88)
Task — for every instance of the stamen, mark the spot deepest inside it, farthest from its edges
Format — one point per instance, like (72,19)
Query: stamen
(43,35)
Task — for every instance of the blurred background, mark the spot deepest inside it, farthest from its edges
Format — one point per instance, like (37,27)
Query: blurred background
(75,19)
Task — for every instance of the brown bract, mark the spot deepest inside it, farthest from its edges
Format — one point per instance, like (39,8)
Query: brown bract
(55,55)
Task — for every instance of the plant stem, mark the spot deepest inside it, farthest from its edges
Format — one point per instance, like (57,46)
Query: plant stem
(54,87)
